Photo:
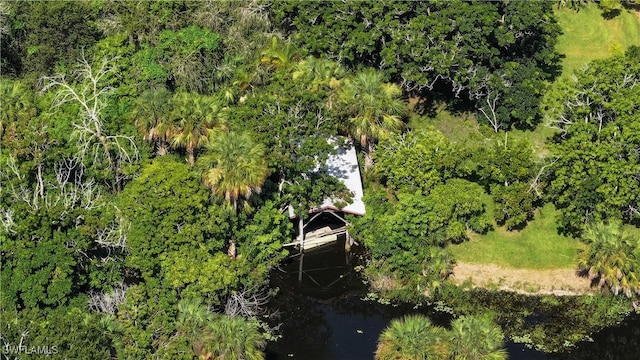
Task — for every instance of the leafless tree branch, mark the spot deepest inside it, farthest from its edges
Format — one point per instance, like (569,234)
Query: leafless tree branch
(87,90)
(115,234)
(108,303)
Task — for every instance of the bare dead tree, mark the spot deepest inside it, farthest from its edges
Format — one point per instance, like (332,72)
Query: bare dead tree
(114,235)
(535,182)
(489,96)
(87,89)
(246,303)
(69,190)
(633,211)
(250,303)
(108,303)
(22,193)
(6,220)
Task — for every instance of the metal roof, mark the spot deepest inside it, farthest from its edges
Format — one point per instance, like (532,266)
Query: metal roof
(344,166)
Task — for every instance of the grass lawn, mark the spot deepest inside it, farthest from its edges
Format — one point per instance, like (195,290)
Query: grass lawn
(538,137)
(537,246)
(588,36)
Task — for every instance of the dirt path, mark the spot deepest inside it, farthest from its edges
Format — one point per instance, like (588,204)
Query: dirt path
(554,282)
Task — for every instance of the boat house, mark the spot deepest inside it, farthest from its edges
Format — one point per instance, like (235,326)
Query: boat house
(344,166)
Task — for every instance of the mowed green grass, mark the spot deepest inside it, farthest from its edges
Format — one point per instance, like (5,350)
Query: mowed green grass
(537,246)
(588,36)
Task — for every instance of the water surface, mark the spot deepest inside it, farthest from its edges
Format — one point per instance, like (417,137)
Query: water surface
(324,316)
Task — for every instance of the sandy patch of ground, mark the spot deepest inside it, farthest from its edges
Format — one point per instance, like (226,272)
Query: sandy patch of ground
(552,282)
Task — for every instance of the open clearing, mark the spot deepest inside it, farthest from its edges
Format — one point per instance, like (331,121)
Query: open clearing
(588,36)
(537,246)
(549,282)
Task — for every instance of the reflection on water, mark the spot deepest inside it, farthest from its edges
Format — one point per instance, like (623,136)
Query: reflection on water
(620,342)
(323,316)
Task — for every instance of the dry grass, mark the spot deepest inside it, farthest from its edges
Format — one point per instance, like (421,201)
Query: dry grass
(383,283)
(549,282)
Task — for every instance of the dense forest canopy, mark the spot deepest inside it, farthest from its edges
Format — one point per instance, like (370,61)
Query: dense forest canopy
(496,55)
(149,151)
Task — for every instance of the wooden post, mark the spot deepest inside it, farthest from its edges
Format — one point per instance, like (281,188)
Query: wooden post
(347,248)
(347,242)
(301,237)
(301,259)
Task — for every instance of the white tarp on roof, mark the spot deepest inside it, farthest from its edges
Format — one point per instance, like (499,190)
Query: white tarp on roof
(344,166)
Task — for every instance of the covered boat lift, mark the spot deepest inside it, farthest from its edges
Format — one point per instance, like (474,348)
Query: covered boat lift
(343,166)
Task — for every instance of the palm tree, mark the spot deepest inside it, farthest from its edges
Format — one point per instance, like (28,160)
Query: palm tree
(611,257)
(413,337)
(437,267)
(374,109)
(151,117)
(235,338)
(196,119)
(278,55)
(236,167)
(477,338)
(318,73)
(192,316)
(215,336)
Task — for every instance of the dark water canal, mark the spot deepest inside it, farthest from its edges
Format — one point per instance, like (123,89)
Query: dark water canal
(325,317)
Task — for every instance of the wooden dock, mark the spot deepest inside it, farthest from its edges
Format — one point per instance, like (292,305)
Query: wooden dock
(319,237)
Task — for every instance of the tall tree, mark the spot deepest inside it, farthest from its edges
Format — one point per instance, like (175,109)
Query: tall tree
(407,237)
(611,258)
(597,175)
(374,108)
(418,160)
(54,33)
(196,119)
(449,47)
(506,167)
(236,168)
(173,216)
